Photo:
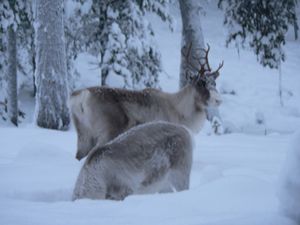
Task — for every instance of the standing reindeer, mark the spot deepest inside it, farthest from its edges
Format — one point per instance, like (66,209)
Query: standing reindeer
(151,157)
(102,113)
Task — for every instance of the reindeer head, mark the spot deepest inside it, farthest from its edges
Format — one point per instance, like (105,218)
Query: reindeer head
(202,77)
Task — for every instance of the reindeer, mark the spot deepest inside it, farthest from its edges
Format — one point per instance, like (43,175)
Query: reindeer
(102,113)
(149,158)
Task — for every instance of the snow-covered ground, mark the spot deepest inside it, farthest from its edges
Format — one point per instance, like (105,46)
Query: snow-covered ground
(234,181)
(235,177)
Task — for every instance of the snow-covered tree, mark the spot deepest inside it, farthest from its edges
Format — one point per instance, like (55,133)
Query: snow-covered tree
(192,38)
(26,47)
(262,25)
(114,62)
(11,79)
(193,42)
(118,34)
(16,18)
(51,70)
(11,17)
(9,23)
(141,61)
(2,53)
(72,46)
(290,188)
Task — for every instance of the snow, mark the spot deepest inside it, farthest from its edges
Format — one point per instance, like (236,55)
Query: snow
(290,184)
(235,177)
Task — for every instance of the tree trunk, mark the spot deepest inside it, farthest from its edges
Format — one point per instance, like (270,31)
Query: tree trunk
(33,62)
(192,37)
(296,27)
(12,87)
(280,85)
(51,69)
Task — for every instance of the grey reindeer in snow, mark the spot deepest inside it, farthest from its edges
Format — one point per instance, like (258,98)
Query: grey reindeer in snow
(102,113)
(149,158)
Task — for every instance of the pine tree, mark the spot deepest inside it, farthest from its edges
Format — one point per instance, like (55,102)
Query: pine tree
(11,79)
(26,45)
(9,14)
(2,50)
(51,72)
(72,48)
(3,62)
(114,61)
(16,18)
(262,24)
(118,34)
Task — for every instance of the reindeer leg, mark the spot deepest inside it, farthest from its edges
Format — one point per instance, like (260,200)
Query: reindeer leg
(118,192)
(88,185)
(155,175)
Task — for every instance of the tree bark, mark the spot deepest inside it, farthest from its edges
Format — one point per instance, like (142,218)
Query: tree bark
(280,85)
(192,35)
(296,27)
(12,87)
(192,39)
(33,62)
(51,69)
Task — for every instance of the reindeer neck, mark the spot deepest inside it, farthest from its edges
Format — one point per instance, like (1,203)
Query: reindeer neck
(184,96)
(185,104)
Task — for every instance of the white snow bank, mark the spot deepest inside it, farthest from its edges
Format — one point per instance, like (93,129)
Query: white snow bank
(257,219)
(290,189)
(233,181)
(42,154)
(37,164)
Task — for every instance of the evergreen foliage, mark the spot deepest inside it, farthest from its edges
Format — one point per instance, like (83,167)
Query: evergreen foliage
(118,34)
(19,15)
(262,24)
(15,17)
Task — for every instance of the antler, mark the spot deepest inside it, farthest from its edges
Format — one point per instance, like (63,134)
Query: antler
(220,66)
(187,57)
(203,70)
(204,66)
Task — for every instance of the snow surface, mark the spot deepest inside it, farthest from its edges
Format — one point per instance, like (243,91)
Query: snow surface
(233,181)
(235,177)
(290,184)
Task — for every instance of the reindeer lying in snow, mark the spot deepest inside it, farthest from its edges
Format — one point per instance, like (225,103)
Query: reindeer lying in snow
(101,113)
(149,158)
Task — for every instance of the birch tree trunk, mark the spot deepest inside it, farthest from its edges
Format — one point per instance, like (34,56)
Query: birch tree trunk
(51,69)
(192,35)
(11,79)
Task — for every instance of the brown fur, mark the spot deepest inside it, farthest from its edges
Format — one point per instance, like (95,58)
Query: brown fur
(115,95)
(102,113)
(149,158)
